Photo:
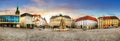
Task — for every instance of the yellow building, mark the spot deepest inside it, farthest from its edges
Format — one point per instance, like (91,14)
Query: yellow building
(55,21)
(108,21)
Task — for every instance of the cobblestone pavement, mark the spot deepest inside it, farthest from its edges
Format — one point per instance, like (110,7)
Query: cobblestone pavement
(21,34)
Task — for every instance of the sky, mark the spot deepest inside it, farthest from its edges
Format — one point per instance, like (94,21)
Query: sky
(73,8)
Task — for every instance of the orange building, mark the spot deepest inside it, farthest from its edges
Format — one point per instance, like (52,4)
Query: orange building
(108,21)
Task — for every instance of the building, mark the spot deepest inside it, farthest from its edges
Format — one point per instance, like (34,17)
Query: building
(56,20)
(119,23)
(108,21)
(26,20)
(39,21)
(88,22)
(10,20)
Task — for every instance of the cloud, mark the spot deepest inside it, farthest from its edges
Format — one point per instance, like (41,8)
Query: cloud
(47,13)
(50,8)
(39,3)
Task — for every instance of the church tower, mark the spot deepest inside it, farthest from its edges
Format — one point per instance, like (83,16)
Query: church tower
(17,11)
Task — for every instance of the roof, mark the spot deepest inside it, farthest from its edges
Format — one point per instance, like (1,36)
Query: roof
(108,17)
(9,15)
(26,14)
(65,16)
(86,18)
(36,15)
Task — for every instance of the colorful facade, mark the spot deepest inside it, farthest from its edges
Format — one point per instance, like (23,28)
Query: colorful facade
(108,21)
(10,20)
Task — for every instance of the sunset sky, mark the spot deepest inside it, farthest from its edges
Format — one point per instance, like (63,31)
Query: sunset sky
(73,8)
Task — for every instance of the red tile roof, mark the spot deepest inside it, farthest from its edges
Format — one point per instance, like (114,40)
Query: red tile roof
(37,15)
(86,18)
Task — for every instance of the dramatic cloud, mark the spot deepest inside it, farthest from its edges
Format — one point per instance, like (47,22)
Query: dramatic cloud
(73,8)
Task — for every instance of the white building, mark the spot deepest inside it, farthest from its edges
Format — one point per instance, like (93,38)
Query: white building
(39,21)
(26,20)
(86,22)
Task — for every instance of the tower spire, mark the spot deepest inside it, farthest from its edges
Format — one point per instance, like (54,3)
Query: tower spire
(17,10)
